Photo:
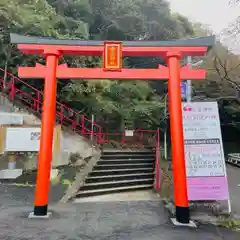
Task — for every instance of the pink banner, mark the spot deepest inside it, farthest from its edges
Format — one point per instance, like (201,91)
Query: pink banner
(207,188)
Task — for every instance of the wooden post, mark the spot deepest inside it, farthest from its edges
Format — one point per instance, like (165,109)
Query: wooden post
(177,140)
(46,140)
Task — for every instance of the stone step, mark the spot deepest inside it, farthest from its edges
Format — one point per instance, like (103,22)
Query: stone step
(106,172)
(122,161)
(123,166)
(91,193)
(126,152)
(119,177)
(115,184)
(128,156)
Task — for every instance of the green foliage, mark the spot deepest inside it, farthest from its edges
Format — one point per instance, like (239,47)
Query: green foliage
(230,222)
(117,104)
(132,103)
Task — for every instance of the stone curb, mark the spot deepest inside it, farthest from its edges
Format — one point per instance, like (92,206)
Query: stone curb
(80,178)
(198,217)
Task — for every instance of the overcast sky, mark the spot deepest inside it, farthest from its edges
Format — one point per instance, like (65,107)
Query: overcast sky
(217,14)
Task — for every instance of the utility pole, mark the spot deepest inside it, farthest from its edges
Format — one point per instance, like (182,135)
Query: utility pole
(189,82)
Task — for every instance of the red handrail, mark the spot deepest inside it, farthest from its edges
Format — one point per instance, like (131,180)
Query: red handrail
(157,160)
(139,135)
(35,100)
(76,121)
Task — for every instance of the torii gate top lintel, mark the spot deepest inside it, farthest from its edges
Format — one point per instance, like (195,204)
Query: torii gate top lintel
(49,46)
(187,47)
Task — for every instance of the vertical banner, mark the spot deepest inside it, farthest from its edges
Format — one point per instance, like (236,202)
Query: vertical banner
(205,163)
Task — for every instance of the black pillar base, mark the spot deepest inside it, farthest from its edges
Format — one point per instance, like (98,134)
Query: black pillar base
(182,215)
(40,210)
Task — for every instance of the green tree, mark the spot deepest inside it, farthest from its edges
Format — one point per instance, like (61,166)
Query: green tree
(128,104)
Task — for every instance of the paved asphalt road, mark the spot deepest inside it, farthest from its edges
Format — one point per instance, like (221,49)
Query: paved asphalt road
(112,220)
(144,220)
(117,220)
(234,187)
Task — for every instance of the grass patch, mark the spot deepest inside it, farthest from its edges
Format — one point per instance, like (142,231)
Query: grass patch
(231,223)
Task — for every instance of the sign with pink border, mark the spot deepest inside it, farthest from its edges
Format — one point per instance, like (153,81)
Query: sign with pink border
(204,156)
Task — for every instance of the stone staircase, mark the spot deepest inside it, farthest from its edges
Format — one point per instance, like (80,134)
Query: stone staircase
(120,171)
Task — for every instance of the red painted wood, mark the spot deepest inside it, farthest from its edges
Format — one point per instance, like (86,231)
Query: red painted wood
(99,73)
(47,131)
(98,50)
(173,73)
(176,130)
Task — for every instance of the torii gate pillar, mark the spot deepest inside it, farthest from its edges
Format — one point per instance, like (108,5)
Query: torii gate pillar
(177,140)
(47,129)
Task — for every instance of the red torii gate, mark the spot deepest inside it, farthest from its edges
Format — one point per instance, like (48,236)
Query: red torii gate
(172,51)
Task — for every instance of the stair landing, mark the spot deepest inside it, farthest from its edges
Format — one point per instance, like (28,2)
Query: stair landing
(143,195)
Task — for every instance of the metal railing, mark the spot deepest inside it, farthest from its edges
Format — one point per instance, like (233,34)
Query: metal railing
(32,99)
(141,139)
(234,159)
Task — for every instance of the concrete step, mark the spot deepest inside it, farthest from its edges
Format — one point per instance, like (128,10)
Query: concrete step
(119,177)
(4,108)
(123,166)
(122,161)
(128,156)
(114,184)
(119,171)
(91,193)
(126,152)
